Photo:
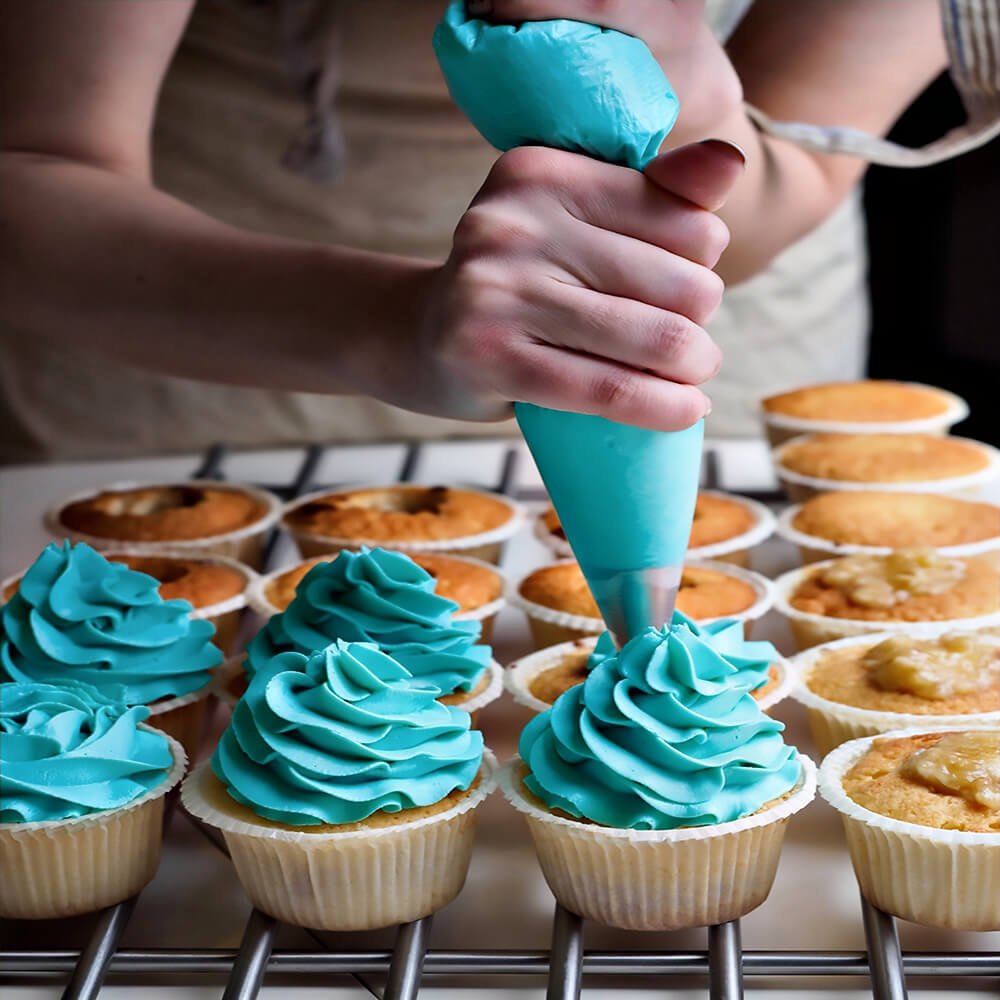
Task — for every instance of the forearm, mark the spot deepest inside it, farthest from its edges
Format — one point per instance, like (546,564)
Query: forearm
(105,263)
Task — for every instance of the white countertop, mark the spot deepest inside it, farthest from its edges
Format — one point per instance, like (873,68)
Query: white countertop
(195,900)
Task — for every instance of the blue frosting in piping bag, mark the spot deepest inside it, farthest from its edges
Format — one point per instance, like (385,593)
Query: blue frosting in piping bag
(575,86)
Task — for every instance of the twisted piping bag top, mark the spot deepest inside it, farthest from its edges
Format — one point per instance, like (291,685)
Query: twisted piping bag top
(625,496)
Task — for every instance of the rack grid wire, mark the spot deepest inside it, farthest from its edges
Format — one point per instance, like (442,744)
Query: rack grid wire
(723,964)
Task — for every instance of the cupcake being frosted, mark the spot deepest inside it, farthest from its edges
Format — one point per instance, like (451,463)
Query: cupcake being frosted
(386,599)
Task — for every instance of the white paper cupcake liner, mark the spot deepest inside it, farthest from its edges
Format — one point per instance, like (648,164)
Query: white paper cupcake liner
(659,879)
(799,487)
(811,630)
(780,428)
(352,880)
(485,545)
(814,548)
(489,694)
(60,868)
(941,878)
(833,723)
(549,626)
(244,544)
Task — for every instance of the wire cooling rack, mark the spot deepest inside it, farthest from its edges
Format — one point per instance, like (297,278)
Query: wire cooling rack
(723,963)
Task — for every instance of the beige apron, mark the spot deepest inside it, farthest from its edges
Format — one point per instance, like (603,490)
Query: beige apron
(225,119)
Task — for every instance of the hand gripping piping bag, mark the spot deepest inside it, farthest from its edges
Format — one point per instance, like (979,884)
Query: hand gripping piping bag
(625,496)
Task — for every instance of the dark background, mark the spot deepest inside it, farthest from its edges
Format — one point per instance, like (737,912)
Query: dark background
(934,239)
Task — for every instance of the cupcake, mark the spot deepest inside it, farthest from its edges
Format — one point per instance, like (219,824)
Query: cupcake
(874,523)
(921,811)
(193,518)
(904,463)
(82,784)
(215,587)
(476,587)
(344,791)
(408,518)
(916,591)
(725,528)
(872,684)
(77,616)
(864,407)
(536,680)
(560,607)
(385,598)
(657,792)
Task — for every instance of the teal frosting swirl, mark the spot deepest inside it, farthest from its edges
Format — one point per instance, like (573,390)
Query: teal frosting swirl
(658,737)
(342,734)
(751,660)
(76,616)
(71,750)
(384,598)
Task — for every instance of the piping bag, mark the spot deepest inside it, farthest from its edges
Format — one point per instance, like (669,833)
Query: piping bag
(625,496)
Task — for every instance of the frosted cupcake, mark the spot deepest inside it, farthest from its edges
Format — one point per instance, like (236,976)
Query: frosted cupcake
(385,598)
(82,785)
(868,685)
(345,792)
(921,810)
(657,792)
(76,616)
(538,679)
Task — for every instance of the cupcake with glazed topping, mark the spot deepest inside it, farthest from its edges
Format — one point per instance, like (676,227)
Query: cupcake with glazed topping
(78,617)
(337,777)
(385,598)
(657,792)
(82,784)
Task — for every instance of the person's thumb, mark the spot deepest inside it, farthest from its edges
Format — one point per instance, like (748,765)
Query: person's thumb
(703,173)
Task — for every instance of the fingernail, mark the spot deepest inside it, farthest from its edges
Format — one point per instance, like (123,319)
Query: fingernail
(478,8)
(708,408)
(724,145)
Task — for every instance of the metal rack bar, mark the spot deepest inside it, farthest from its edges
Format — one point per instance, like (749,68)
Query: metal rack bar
(211,463)
(725,962)
(884,956)
(407,964)
(252,959)
(508,471)
(566,956)
(410,460)
(92,965)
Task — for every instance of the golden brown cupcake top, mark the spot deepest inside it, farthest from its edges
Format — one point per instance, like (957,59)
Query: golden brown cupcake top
(716,519)
(910,585)
(162,513)
(955,674)
(704,593)
(896,520)
(882,458)
(401,514)
(869,401)
(946,780)
(469,585)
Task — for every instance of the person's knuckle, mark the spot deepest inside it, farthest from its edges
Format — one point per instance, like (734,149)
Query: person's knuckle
(615,391)
(486,229)
(714,235)
(529,166)
(704,295)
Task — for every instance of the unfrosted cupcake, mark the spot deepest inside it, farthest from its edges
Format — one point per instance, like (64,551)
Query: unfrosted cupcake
(657,792)
(863,407)
(77,616)
(385,598)
(921,810)
(196,517)
(344,791)
(408,518)
(866,685)
(560,607)
(875,522)
(725,528)
(538,679)
(914,463)
(82,785)
(915,591)
(476,587)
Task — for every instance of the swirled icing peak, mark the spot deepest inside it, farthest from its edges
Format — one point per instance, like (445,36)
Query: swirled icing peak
(68,750)
(658,737)
(379,597)
(341,734)
(77,616)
